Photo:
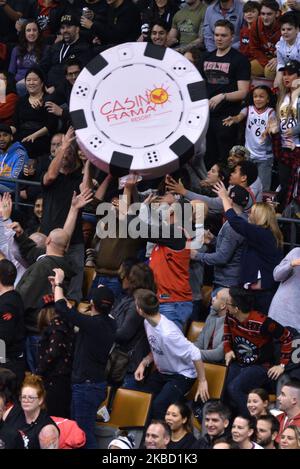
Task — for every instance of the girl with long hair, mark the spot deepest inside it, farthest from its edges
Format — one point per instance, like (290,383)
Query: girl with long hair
(287,134)
(258,402)
(26,54)
(258,142)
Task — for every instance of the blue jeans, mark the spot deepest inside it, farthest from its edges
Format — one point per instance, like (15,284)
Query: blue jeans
(178,312)
(31,351)
(264,168)
(166,389)
(86,399)
(241,380)
(111,282)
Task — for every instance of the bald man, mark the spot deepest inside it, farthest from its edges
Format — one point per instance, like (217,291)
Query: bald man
(210,340)
(49,437)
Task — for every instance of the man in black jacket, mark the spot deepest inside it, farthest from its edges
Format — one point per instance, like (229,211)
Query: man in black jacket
(12,332)
(71,47)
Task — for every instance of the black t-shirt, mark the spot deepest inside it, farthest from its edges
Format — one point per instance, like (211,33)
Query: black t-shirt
(221,75)
(11,439)
(57,200)
(16,421)
(186,442)
(12,323)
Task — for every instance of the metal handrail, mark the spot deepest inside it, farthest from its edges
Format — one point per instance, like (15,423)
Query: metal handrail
(17,183)
(292,221)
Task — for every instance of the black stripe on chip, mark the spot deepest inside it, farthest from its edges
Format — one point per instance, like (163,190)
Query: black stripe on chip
(183,148)
(120,163)
(97,64)
(197,91)
(155,52)
(78,119)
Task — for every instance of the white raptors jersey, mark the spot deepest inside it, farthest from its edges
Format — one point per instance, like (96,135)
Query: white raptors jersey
(288,120)
(255,127)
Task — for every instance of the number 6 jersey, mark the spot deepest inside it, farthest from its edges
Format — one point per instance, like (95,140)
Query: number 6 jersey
(260,149)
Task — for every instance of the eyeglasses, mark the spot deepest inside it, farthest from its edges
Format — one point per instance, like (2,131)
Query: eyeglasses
(28,398)
(230,304)
(73,74)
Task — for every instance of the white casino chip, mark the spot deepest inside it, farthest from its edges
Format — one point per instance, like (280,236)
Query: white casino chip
(139,108)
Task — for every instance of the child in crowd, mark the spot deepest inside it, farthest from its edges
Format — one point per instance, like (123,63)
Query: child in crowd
(251,11)
(288,47)
(258,142)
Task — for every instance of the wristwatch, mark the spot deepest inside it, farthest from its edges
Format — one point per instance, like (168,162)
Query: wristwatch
(58,285)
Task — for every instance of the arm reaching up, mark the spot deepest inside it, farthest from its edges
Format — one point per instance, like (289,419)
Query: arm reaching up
(78,201)
(56,163)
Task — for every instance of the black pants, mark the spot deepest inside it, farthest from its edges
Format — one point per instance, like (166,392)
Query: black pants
(284,173)
(58,396)
(219,140)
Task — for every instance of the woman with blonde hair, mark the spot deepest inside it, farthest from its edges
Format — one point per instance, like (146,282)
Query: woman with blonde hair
(287,149)
(290,438)
(262,250)
(30,416)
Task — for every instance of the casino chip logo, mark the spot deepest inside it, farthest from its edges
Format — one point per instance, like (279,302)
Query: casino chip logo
(246,351)
(159,96)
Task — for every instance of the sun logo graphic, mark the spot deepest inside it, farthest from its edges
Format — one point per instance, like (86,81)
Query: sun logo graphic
(159,96)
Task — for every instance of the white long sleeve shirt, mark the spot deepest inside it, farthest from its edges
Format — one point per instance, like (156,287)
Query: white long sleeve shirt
(172,352)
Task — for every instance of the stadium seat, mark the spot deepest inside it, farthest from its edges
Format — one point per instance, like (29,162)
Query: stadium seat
(206,295)
(130,410)
(194,330)
(215,375)
(89,275)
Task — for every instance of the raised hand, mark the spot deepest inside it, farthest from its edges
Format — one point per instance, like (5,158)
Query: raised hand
(81,200)
(68,138)
(228,121)
(220,190)
(174,186)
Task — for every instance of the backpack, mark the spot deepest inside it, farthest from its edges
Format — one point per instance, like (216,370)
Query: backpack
(117,365)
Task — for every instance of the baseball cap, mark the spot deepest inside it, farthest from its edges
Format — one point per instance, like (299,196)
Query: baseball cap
(72,20)
(5,128)
(103,296)
(292,66)
(239,196)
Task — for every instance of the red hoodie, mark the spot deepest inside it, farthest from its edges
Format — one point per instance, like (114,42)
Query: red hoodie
(284,422)
(263,41)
